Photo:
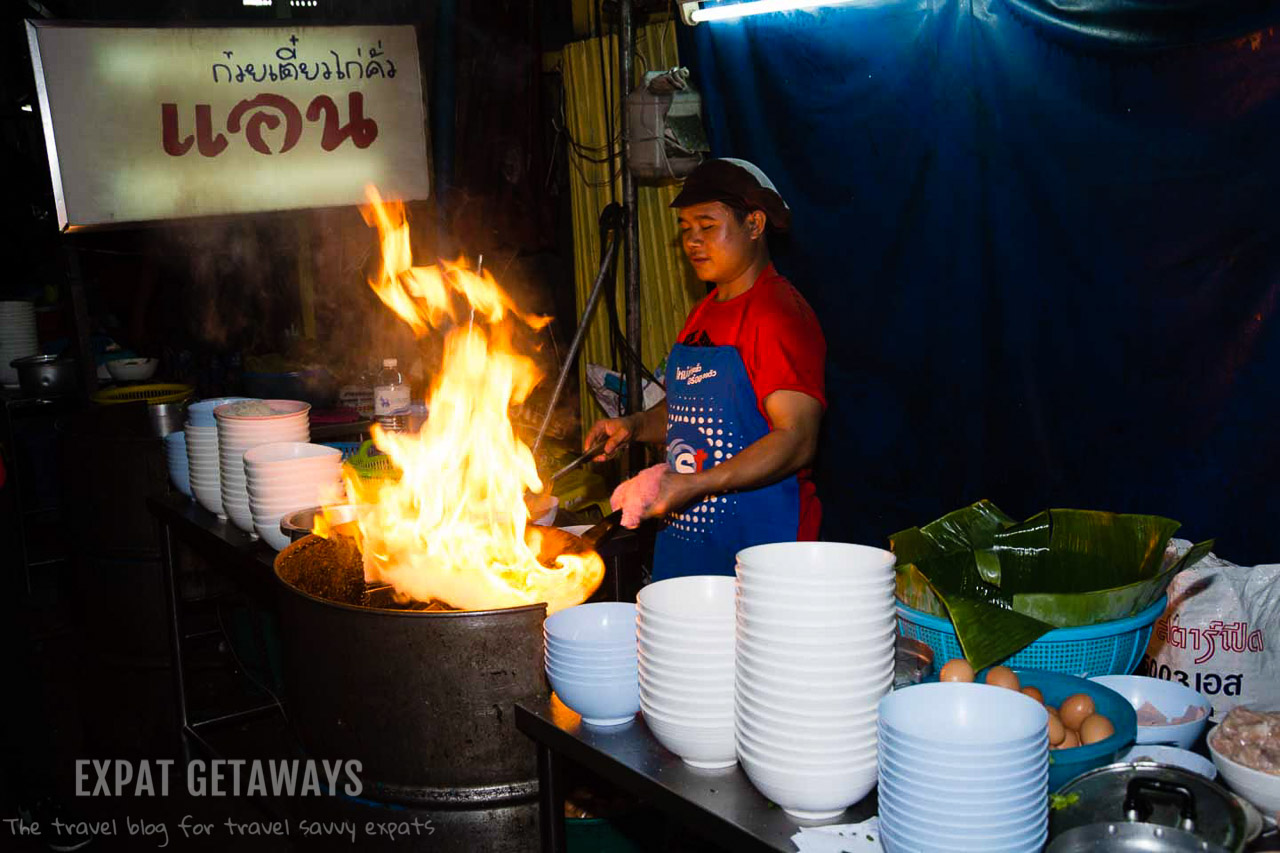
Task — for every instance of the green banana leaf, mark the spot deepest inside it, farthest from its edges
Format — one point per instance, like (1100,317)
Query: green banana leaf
(1004,584)
(1065,610)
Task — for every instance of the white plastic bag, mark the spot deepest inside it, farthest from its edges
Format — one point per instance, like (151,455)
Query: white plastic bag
(1221,634)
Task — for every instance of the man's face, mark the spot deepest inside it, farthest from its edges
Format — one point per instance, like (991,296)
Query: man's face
(719,246)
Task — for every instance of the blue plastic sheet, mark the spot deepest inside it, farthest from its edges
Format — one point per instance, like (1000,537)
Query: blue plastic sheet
(1042,239)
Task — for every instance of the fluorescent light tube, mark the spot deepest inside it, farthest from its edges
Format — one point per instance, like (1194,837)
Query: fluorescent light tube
(728,11)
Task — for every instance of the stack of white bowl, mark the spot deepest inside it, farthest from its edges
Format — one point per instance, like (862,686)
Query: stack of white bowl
(175,457)
(202,453)
(591,661)
(239,430)
(285,477)
(963,767)
(17,337)
(685,636)
(815,654)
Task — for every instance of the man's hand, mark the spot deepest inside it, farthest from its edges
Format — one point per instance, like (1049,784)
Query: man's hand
(618,431)
(675,492)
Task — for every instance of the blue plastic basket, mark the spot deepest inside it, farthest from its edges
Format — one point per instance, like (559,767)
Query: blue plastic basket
(1108,648)
(348,448)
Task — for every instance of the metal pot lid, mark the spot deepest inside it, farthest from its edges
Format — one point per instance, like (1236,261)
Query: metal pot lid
(1130,838)
(1156,795)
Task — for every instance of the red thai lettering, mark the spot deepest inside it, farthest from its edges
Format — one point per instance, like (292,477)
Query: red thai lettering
(360,130)
(208,143)
(262,118)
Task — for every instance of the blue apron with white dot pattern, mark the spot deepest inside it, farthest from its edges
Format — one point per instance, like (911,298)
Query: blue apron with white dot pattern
(711,415)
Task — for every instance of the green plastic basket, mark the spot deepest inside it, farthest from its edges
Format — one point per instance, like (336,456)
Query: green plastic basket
(369,464)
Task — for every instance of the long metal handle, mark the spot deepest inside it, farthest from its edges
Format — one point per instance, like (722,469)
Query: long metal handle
(594,451)
(588,311)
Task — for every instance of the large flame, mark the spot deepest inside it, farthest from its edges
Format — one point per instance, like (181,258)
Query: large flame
(453,527)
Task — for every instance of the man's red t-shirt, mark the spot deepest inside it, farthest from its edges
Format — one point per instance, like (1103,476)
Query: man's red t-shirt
(778,337)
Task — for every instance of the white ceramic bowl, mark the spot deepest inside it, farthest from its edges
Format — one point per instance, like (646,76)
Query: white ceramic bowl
(873,665)
(576,651)
(820,761)
(132,369)
(696,597)
(973,714)
(1170,698)
(304,487)
(287,472)
(283,453)
(688,707)
(963,796)
(676,678)
(1261,789)
(200,413)
(676,625)
(784,716)
(785,738)
(709,719)
(703,641)
(835,561)
(272,534)
(600,704)
(955,764)
(281,409)
(811,796)
(1178,757)
(979,785)
(1024,748)
(752,607)
(606,622)
(817,698)
(973,824)
(612,666)
(694,652)
(707,747)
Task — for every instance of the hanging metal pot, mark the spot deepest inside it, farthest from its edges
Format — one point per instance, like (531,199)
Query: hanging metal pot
(1148,807)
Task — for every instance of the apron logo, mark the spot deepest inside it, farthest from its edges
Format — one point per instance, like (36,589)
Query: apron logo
(683,459)
(693,374)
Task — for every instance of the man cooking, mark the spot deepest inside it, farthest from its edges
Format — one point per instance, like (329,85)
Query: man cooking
(745,389)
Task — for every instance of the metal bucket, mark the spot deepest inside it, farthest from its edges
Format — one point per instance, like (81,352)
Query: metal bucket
(422,699)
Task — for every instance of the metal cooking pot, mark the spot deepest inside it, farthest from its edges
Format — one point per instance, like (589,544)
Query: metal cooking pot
(166,417)
(1148,807)
(46,375)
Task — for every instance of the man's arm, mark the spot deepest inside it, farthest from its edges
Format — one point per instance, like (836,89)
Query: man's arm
(649,426)
(785,449)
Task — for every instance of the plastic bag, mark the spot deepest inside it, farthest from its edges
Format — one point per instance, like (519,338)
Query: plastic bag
(1221,634)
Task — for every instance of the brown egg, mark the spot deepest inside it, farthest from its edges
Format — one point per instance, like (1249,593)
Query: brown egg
(1070,741)
(957,669)
(1074,709)
(1095,728)
(1057,731)
(1034,693)
(1002,676)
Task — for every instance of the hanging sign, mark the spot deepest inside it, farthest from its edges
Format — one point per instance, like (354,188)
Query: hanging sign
(163,123)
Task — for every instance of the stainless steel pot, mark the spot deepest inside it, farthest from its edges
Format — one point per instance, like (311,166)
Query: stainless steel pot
(166,417)
(46,375)
(1145,806)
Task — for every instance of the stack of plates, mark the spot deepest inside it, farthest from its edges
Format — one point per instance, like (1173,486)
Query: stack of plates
(591,661)
(815,654)
(202,453)
(17,337)
(685,637)
(963,767)
(244,425)
(175,456)
(285,477)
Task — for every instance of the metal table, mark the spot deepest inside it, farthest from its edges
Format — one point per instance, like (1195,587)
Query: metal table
(721,805)
(249,562)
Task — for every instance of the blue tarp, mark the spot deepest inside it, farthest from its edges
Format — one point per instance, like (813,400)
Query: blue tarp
(1043,242)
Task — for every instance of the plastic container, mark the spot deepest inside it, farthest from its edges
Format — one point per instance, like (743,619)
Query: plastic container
(1108,648)
(1066,764)
(391,403)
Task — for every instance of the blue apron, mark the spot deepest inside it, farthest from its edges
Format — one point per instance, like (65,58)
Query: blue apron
(711,415)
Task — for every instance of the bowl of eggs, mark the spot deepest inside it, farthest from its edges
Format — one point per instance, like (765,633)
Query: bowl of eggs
(1090,725)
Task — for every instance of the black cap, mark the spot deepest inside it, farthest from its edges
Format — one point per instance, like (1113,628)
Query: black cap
(737,183)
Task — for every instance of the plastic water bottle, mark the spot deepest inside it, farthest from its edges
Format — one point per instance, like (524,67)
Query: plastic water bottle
(391,398)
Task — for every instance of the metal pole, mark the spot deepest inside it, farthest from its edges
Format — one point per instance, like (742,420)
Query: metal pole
(631,267)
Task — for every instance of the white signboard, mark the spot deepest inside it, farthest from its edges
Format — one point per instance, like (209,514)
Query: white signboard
(145,124)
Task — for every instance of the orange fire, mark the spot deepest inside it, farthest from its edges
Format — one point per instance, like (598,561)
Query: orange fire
(453,527)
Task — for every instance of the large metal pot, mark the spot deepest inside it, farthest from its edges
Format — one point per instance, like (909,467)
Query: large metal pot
(422,699)
(1145,807)
(46,375)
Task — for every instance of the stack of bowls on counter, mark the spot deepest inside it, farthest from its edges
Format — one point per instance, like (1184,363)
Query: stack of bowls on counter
(963,767)
(591,661)
(815,654)
(17,338)
(202,453)
(245,425)
(285,477)
(685,635)
(175,457)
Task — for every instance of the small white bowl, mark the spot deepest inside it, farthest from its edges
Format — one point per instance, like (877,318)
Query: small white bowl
(1160,754)
(705,747)
(834,561)
(1261,789)
(700,598)
(1169,698)
(807,795)
(132,369)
